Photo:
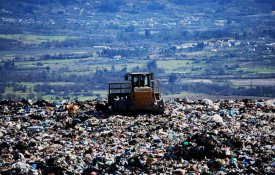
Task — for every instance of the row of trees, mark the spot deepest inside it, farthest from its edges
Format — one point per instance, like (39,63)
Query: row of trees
(137,52)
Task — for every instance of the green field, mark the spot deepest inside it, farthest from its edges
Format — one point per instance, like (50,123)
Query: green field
(173,65)
(29,38)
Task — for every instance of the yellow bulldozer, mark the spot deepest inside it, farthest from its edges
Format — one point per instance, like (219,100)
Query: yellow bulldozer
(140,92)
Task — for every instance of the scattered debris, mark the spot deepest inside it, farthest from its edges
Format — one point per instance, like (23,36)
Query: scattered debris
(197,137)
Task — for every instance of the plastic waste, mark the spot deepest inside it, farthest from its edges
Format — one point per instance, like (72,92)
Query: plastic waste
(35,128)
(192,136)
(217,118)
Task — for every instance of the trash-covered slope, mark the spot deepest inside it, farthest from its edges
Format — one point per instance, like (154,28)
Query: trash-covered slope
(200,137)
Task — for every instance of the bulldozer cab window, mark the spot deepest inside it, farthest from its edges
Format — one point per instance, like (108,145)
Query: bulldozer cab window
(135,81)
(141,80)
(146,80)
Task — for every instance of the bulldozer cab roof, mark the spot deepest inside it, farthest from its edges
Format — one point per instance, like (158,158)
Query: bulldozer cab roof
(140,73)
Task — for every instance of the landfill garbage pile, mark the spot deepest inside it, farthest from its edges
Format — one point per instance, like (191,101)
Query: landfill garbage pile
(191,137)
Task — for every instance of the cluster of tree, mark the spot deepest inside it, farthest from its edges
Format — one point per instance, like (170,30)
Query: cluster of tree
(19,87)
(137,52)
(178,34)
(64,56)
(26,76)
(47,2)
(10,44)
(15,86)
(10,96)
(9,65)
(151,66)
(267,32)
(69,43)
(172,78)
(155,5)
(113,6)
(50,89)
(7,44)
(193,2)
(110,6)
(262,91)
(2,88)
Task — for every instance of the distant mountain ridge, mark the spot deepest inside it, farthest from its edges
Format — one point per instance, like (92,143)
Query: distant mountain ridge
(120,5)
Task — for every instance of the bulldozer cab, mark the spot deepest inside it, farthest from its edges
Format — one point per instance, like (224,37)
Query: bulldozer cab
(139,79)
(140,91)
